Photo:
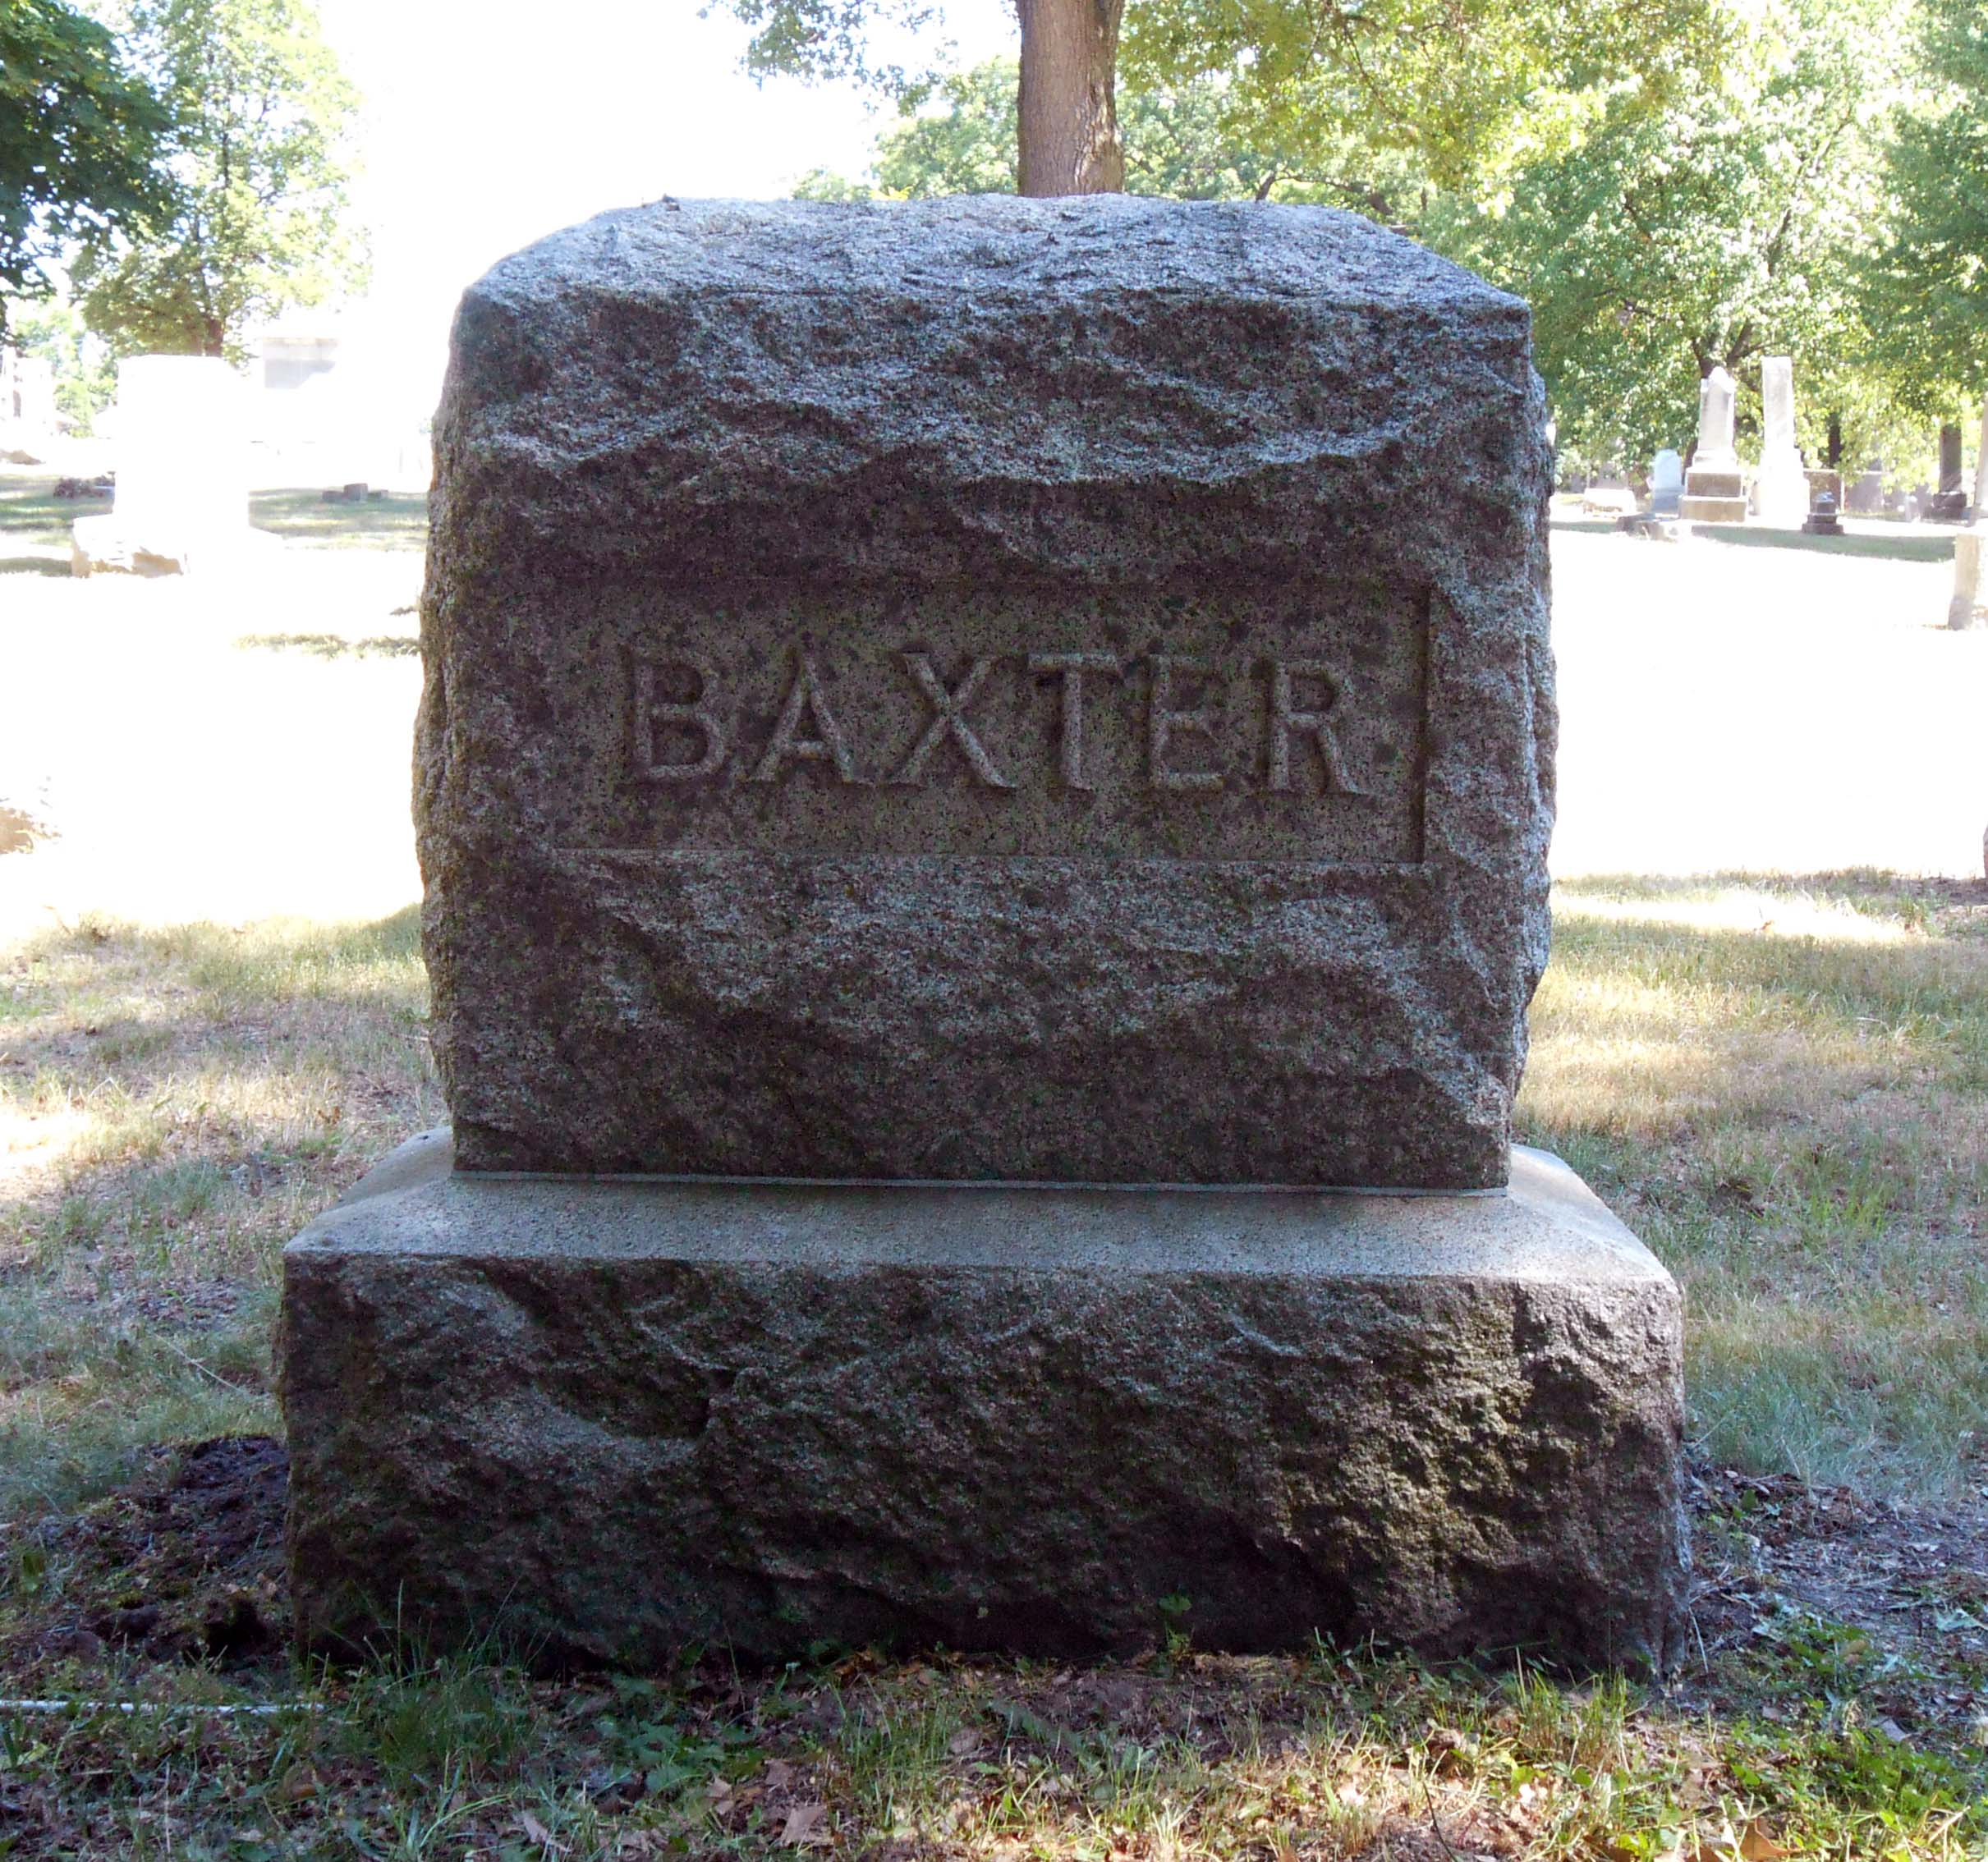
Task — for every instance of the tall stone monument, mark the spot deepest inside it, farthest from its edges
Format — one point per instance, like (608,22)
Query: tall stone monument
(181,445)
(1948,505)
(984,802)
(1782,488)
(1715,487)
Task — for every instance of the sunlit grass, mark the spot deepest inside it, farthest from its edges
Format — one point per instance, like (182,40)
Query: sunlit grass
(1784,1088)
(175,1104)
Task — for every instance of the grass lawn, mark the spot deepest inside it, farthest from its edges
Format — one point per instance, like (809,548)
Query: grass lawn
(1780,1082)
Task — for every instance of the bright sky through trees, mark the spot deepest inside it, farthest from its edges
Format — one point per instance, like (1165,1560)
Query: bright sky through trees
(484,127)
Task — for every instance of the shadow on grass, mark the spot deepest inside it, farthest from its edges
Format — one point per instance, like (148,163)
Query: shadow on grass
(178,1102)
(30,512)
(1890,549)
(396,521)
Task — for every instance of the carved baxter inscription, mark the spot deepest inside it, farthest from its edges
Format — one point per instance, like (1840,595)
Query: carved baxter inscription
(1287,727)
(996,689)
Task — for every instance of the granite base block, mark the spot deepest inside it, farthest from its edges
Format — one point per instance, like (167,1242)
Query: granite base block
(606,1418)
(1714,509)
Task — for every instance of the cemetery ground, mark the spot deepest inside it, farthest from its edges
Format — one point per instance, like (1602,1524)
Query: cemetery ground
(211,1020)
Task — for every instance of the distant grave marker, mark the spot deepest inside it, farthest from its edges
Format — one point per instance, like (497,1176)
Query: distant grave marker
(180,444)
(1715,487)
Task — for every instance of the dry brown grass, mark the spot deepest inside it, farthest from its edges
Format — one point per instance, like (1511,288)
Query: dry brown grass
(1783,1087)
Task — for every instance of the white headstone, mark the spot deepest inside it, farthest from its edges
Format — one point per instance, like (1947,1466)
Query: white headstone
(1783,485)
(1980,465)
(1666,482)
(180,447)
(1715,421)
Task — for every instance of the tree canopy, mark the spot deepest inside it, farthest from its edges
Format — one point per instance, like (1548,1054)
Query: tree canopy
(1455,91)
(1723,227)
(256,144)
(1673,186)
(79,135)
(1177,143)
(1926,291)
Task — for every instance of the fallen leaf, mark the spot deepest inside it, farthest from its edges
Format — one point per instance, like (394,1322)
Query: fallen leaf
(780,1774)
(299,1783)
(964,1742)
(805,1827)
(1894,1732)
(1758,1845)
(1285,1852)
(535,1831)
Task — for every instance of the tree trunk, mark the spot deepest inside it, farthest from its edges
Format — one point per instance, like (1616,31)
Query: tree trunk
(1068,117)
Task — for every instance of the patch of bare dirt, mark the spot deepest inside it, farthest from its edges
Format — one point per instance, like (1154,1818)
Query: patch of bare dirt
(185,1565)
(1884,1601)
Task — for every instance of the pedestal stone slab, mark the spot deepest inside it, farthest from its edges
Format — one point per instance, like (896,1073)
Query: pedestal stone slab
(611,1417)
(987,688)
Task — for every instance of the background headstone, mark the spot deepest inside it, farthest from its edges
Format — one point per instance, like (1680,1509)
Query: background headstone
(1949,502)
(1715,487)
(1963,611)
(180,446)
(28,422)
(1783,486)
(1981,469)
(1865,496)
(1666,483)
(1716,396)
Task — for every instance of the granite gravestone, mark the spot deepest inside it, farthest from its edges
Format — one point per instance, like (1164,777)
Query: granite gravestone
(1948,505)
(984,799)
(1715,487)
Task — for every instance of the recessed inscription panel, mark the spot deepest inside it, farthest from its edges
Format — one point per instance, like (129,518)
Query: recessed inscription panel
(1289,726)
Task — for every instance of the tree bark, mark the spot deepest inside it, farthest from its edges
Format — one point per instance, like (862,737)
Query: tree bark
(1068,116)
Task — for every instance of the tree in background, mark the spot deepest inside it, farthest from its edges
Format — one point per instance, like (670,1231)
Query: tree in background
(1065,104)
(78,130)
(85,377)
(1178,145)
(1723,228)
(1453,93)
(1926,291)
(259,116)
(1449,88)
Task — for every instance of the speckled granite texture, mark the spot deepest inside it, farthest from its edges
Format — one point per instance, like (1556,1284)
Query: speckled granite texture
(611,1418)
(991,689)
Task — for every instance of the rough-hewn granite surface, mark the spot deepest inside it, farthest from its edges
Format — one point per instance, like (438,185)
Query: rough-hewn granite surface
(769,827)
(614,1417)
